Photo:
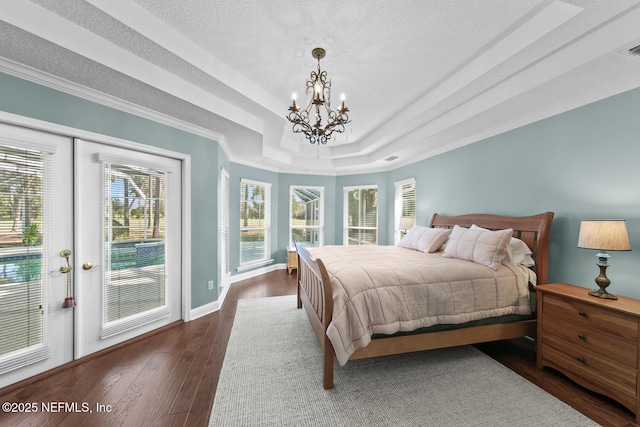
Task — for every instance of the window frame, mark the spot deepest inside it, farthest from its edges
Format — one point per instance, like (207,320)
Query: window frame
(399,206)
(265,259)
(320,226)
(345,208)
(225,229)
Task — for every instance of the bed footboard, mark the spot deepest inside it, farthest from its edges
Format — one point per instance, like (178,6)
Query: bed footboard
(315,295)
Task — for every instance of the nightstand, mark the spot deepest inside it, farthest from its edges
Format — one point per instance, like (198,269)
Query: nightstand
(592,341)
(292,259)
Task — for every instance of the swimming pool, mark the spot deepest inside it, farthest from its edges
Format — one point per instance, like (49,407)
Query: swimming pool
(26,265)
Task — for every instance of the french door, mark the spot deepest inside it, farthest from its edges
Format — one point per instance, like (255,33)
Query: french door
(128,275)
(36,223)
(90,248)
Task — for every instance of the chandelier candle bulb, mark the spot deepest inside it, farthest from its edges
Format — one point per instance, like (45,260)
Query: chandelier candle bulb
(318,90)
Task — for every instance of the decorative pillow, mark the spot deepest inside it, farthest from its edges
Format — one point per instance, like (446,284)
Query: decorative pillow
(518,253)
(444,244)
(483,247)
(432,238)
(410,240)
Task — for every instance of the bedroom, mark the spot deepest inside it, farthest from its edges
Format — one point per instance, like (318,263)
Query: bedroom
(579,164)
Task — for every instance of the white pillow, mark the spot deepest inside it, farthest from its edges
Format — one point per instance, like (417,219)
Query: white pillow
(432,238)
(410,240)
(518,253)
(483,247)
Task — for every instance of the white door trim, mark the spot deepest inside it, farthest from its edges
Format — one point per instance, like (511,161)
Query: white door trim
(36,124)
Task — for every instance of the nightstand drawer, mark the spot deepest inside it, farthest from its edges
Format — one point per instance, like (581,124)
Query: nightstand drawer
(592,316)
(605,378)
(618,349)
(585,360)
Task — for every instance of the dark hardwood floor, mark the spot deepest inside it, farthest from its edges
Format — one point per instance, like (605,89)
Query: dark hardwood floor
(170,378)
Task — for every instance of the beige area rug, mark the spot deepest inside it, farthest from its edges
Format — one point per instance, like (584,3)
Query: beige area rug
(271,376)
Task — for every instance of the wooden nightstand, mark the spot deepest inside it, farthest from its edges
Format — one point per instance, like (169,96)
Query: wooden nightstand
(292,259)
(593,341)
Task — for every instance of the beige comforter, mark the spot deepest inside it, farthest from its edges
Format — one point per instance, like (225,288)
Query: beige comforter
(386,289)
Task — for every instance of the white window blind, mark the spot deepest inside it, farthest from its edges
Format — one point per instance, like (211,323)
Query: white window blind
(306,215)
(225,272)
(134,286)
(25,184)
(254,222)
(405,204)
(361,215)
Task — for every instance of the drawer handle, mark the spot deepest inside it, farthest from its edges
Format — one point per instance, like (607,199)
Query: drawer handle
(581,337)
(582,313)
(581,359)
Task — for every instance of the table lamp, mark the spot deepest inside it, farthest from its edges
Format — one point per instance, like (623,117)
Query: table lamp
(604,235)
(406,222)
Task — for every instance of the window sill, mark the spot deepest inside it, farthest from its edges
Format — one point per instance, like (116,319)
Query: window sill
(254,264)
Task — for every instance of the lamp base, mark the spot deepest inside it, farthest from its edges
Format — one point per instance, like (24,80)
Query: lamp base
(602,280)
(601,293)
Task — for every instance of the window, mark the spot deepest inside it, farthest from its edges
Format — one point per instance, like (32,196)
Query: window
(254,222)
(225,273)
(306,215)
(361,215)
(405,204)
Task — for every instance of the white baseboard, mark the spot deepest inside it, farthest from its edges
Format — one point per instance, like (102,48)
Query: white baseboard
(203,310)
(257,272)
(214,306)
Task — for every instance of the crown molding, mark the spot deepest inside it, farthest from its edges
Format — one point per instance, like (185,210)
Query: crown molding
(53,82)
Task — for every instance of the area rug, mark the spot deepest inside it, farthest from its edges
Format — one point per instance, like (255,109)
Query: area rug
(271,376)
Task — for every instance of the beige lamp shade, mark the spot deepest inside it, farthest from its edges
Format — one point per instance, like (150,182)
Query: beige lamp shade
(604,235)
(406,222)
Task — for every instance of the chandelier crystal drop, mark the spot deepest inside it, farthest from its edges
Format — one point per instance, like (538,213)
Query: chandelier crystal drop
(309,120)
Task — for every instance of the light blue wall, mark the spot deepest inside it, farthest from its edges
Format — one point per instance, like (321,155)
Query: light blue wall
(580,164)
(31,100)
(583,164)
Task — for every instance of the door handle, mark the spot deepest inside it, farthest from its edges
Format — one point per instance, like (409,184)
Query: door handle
(66,269)
(88,266)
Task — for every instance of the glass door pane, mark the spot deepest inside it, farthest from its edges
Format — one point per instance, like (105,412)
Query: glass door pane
(134,234)
(22,285)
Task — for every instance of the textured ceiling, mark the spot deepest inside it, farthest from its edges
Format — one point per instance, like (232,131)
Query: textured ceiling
(421,76)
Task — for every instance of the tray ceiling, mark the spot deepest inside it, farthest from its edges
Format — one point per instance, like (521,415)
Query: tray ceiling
(421,78)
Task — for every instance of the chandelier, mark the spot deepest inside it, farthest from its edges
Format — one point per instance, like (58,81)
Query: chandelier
(318,91)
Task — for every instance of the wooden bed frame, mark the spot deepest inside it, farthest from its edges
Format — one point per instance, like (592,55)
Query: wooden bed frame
(315,295)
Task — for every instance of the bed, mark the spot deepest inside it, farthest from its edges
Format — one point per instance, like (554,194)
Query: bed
(329,277)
